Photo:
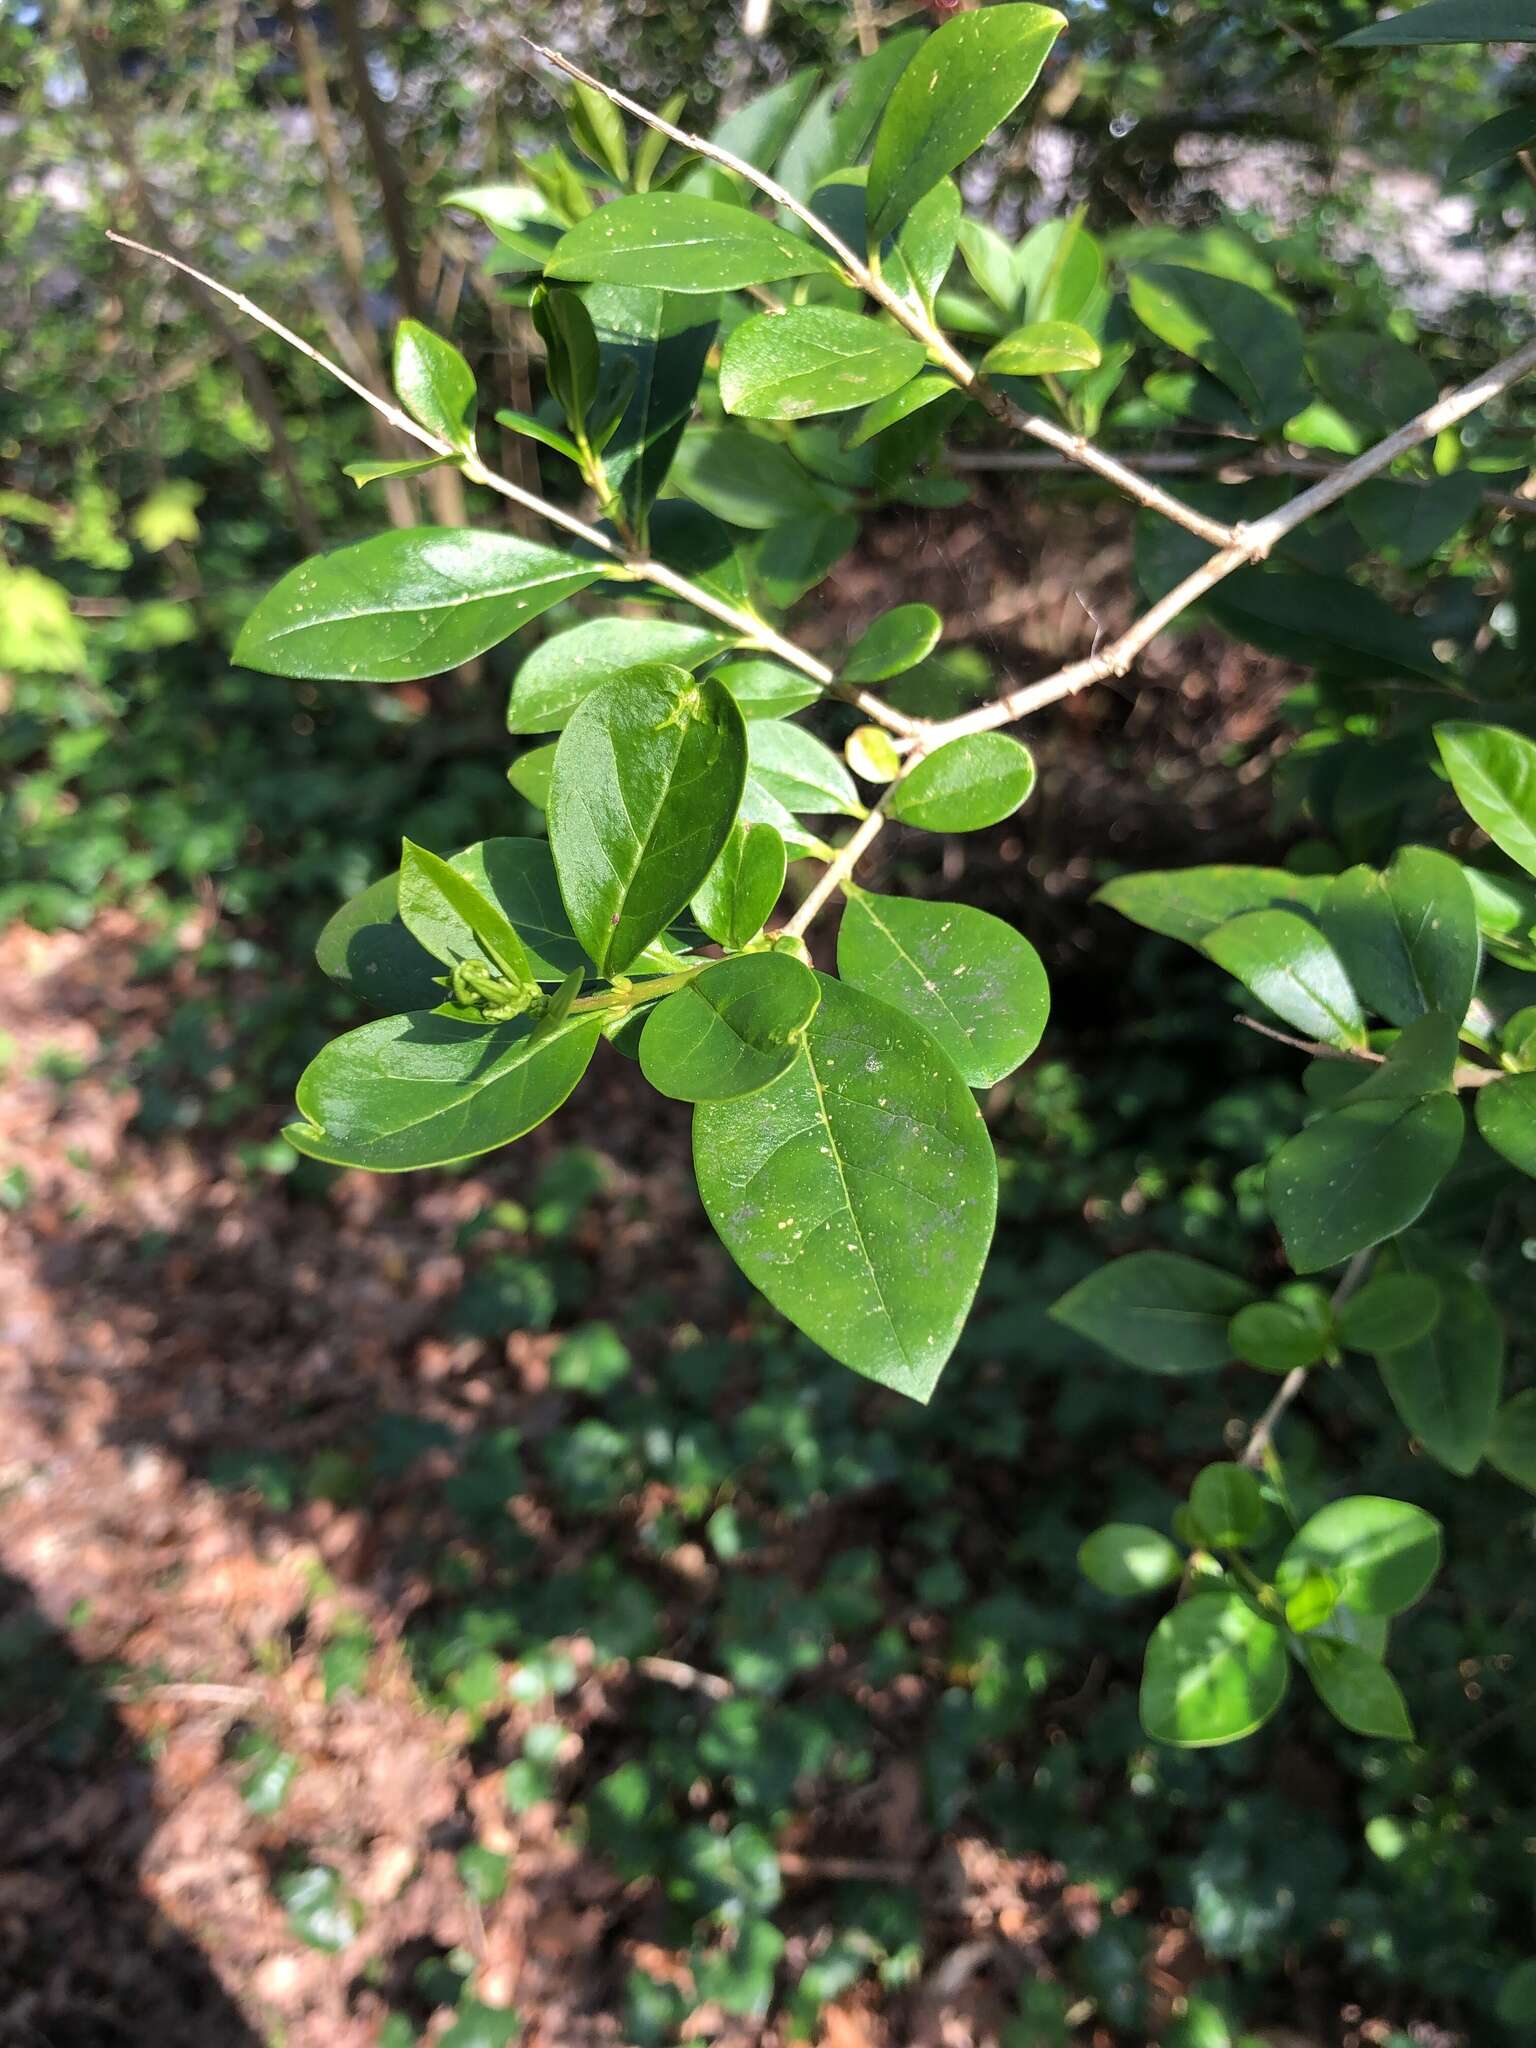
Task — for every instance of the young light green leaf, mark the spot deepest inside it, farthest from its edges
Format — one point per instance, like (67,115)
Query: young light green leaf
(1358,1690)
(967,785)
(648,778)
(736,897)
(1061,270)
(971,981)
(1127,1558)
(804,775)
(858,1191)
(924,248)
(1191,903)
(1511,1449)
(531,429)
(1289,965)
(1506,1117)
(1360,1174)
(960,84)
(1228,1504)
(677,242)
(569,666)
(1408,939)
(1446,1384)
(889,412)
(732,1030)
(871,753)
(891,644)
(444,910)
(1383,1553)
(378,472)
(1215,1671)
(597,129)
(992,262)
(422,1090)
(435,384)
(1244,338)
(1279,1336)
(1043,348)
(1493,771)
(1160,1311)
(405,605)
(1452,21)
(813,359)
(1390,1311)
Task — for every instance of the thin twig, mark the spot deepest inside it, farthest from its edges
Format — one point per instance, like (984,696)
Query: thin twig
(1317,1050)
(686,1677)
(1076,447)
(836,872)
(1296,1378)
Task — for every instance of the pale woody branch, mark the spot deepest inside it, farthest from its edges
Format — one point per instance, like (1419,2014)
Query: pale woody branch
(639,566)
(1073,446)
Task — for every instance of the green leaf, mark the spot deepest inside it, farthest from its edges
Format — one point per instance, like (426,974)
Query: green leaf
(1191,903)
(1227,1503)
(1383,1553)
(1243,337)
(1214,1672)
(732,1030)
(1043,348)
(758,131)
(597,129)
(739,1979)
(967,785)
(1408,523)
(843,115)
(972,982)
(482,1871)
(889,412)
(797,769)
(1408,939)
(735,899)
(648,778)
(1061,269)
(1494,142)
(1452,21)
(746,480)
(452,919)
(871,753)
(1289,965)
(1358,1690)
(1126,1558)
(376,472)
(405,605)
(533,429)
(925,246)
(367,948)
(963,81)
(1446,1384)
(667,337)
(422,1090)
(1493,771)
(571,363)
(764,690)
(1391,1310)
(1160,1311)
(813,359)
(318,1908)
(992,262)
(1360,1174)
(435,384)
(530,773)
(1279,1336)
(1511,1449)
(565,669)
(1506,1117)
(1371,377)
(677,242)
(894,642)
(858,1191)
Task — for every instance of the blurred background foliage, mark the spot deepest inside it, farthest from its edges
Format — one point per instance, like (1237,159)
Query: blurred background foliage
(161,461)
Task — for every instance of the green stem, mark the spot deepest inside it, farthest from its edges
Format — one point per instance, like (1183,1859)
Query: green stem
(641,991)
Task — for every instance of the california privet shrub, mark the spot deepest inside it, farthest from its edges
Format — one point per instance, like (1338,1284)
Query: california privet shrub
(840,1152)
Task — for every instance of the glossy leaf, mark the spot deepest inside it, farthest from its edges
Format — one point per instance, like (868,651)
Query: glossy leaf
(967,785)
(894,642)
(1391,1310)
(737,896)
(889,412)
(1446,1385)
(758,131)
(925,244)
(764,690)
(678,242)
(1043,348)
(597,129)
(842,117)
(971,981)
(992,262)
(813,359)
(1408,938)
(666,337)
(963,81)
(647,781)
(747,480)
(1511,1449)
(1160,1311)
(442,908)
(1383,1553)
(1214,1672)
(1358,1690)
(1191,903)
(435,384)
(1227,1503)
(1289,965)
(565,669)
(804,775)
(732,1030)
(1243,337)
(1127,1558)
(858,1191)
(572,366)
(529,775)
(362,473)
(1279,1336)
(1452,21)
(422,1090)
(405,605)
(1493,771)
(1506,1117)
(1494,141)
(366,947)
(531,429)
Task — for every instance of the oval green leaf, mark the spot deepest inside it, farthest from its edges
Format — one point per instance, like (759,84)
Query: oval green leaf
(1408,938)
(1292,969)
(1446,1384)
(1127,1558)
(1043,348)
(678,242)
(1493,771)
(1160,1311)
(1227,1503)
(1358,1690)
(1215,1671)
(568,667)
(893,643)
(811,360)
(1360,1174)
(799,771)
(1391,1310)
(1382,1553)
(732,1030)
(964,787)
(737,896)
(1506,1117)
(435,384)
